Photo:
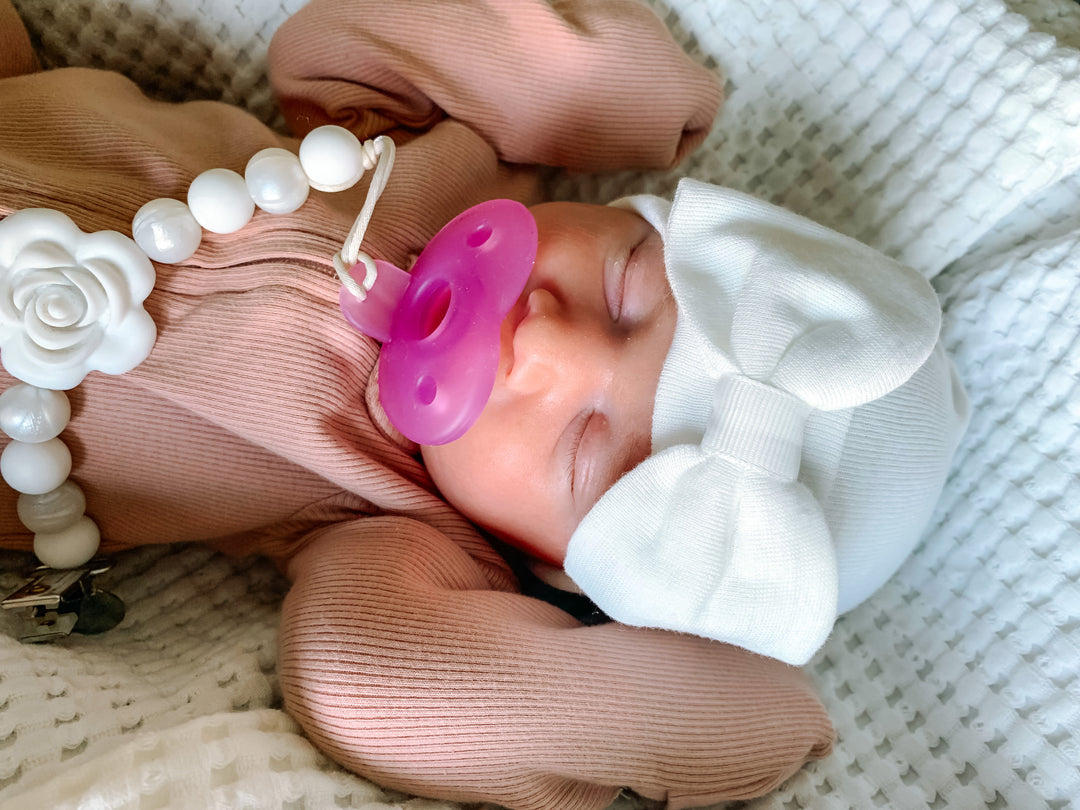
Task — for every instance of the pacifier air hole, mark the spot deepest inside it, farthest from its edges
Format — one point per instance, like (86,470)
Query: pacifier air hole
(433,310)
(426,389)
(479,236)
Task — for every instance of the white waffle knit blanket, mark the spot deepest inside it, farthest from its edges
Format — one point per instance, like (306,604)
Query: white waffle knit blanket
(944,132)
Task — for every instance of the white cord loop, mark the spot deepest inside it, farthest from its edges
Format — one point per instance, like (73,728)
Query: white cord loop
(378,155)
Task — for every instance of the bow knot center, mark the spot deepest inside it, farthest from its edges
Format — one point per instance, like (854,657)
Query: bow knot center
(757,425)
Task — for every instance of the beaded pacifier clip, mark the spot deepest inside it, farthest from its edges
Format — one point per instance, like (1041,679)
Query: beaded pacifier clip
(72,303)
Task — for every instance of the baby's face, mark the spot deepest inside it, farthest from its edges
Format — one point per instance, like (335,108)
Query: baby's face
(571,411)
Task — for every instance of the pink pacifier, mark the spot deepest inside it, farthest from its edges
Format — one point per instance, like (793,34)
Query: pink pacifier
(439,325)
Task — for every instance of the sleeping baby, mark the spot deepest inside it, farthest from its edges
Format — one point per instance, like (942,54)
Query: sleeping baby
(720,421)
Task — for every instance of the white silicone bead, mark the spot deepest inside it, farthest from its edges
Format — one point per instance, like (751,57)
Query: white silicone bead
(219,201)
(276,180)
(54,510)
(35,468)
(31,414)
(332,157)
(70,547)
(166,230)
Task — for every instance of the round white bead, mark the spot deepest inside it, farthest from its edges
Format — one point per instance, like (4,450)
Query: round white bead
(70,547)
(31,414)
(54,510)
(166,230)
(276,180)
(35,468)
(332,157)
(219,201)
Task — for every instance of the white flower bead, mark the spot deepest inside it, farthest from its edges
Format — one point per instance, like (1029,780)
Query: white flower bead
(219,201)
(276,180)
(70,302)
(332,157)
(166,229)
(70,547)
(32,414)
(35,468)
(54,510)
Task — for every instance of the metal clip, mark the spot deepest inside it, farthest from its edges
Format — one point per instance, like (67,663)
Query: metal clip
(65,601)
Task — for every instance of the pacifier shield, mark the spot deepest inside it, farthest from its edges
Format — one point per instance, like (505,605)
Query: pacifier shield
(441,343)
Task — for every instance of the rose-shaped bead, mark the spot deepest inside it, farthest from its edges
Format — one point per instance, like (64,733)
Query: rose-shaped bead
(70,302)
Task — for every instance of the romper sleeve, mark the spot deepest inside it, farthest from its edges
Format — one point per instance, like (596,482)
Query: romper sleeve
(402,663)
(16,54)
(590,85)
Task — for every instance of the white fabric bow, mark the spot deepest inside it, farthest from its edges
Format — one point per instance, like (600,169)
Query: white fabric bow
(714,534)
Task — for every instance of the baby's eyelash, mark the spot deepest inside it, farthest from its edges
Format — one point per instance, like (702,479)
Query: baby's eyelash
(613,294)
(575,445)
(616,295)
(614,286)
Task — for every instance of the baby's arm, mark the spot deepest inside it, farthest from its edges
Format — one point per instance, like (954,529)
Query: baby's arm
(16,55)
(591,85)
(403,664)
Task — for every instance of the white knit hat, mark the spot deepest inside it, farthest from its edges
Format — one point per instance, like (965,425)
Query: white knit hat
(804,423)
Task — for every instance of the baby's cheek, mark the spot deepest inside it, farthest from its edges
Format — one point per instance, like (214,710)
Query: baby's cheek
(496,478)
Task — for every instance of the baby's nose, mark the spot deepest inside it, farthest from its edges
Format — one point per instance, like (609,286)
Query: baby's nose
(547,344)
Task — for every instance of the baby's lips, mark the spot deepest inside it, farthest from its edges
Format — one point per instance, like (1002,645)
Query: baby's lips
(441,342)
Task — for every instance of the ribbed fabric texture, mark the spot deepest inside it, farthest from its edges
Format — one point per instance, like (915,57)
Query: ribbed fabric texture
(404,652)
(487,689)
(563,84)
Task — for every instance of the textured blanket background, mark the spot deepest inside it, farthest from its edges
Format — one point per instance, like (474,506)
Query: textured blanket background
(945,132)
